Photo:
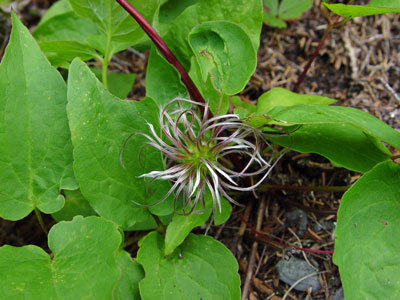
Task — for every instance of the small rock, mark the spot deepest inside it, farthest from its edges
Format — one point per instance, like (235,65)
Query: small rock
(327,225)
(339,295)
(294,269)
(298,218)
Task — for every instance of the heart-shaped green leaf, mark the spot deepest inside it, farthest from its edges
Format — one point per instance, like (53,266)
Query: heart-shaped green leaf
(35,148)
(201,268)
(100,124)
(367,248)
(87,264)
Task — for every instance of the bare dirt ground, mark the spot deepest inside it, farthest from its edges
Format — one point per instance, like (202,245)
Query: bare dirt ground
(359,66)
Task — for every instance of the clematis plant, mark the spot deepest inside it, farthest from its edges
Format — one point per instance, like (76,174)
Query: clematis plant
(196,151)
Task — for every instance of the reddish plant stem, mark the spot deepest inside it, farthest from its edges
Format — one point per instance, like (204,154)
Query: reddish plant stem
(311,60)
(316,51)
(256,232)
(171,58)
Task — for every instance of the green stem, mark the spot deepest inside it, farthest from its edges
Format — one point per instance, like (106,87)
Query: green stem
(40,220)
(105,62)
(160,225)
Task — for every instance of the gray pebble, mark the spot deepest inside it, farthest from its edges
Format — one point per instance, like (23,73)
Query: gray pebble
(298,218)
(292,270)
(339,295)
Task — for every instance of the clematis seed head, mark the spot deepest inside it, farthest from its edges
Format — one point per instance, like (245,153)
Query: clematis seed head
(197,151)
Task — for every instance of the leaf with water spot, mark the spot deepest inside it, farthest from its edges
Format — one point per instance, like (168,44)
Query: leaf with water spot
(35,148)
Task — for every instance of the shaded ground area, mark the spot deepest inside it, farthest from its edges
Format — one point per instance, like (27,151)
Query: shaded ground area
(360,67)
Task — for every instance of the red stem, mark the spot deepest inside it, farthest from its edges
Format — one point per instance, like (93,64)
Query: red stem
(282,244)
(316,51)
(158,41)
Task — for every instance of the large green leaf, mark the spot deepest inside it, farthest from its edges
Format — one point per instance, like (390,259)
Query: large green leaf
(100,123)
(61,53)
(60,23)
(343,144)
(367,248)
(35,146)
(282,97)
(202,268)
(87,264)
(62,35)
(169,11)
(322,114)
(375,7)
(112,20)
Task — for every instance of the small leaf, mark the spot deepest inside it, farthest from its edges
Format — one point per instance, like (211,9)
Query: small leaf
(180,227)
(375,7)
(282,97)
(276,12)
(202,268)
(87,264)
(35,140)
(75,204)
(367,248)
(100,123)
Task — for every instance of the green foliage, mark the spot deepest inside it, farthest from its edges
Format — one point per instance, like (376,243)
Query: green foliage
(87,263)
(375,7)
(276,12)
(201,268)
(367,248)
(35,140)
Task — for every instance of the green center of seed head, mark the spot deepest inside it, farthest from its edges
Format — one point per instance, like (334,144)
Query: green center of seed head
(202,152)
